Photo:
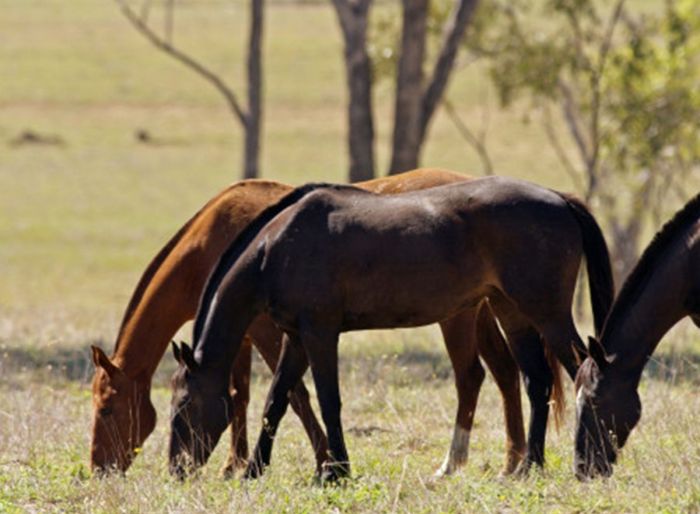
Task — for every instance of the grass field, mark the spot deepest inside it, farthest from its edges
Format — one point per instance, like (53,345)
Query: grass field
(79,221)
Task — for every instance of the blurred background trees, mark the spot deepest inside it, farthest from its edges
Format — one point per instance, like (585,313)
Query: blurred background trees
(618,95)
(615,91)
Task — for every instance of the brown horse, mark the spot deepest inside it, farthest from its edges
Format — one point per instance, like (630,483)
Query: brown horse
(329,259)
(167,296)
(663,288)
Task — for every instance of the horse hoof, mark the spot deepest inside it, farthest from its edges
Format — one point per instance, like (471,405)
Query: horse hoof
(253,471)
(232,466)
(523,469)
(449,467)
(442,472)
(332,474)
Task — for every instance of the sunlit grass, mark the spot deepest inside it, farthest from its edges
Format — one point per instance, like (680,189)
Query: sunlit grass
(397,414)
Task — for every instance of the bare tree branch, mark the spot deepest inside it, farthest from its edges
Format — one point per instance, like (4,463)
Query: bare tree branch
(169,23)
(559,149)
(476,141)
(145,10)
(140,25)
(572,117)
(453,34)
(596,76)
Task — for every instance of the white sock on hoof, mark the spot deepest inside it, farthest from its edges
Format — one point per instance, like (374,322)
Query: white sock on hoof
(457,454)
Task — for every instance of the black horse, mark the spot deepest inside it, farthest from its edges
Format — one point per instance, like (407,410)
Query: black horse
(662,289)
(329,259)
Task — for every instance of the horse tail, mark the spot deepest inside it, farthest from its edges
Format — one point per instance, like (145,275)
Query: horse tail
(600,277)
(557,398)
(238,246)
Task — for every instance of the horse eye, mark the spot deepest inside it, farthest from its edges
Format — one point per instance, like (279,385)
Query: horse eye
(105,411)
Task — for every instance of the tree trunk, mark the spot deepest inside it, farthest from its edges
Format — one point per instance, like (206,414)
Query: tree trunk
(253,120)
(353,23)
(409,83)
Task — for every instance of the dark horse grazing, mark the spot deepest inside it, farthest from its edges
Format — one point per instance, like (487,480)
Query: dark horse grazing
(329,259)
(662,289)
(167,296)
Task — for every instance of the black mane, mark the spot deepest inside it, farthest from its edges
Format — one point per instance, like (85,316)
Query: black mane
(641,273)
(239,245)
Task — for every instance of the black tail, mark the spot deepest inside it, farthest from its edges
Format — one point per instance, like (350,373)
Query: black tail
(600,277)
(238,246)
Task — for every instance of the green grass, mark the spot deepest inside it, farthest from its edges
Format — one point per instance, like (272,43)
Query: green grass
(397,413)
(79,222)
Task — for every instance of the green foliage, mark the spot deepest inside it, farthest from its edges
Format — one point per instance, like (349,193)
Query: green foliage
(652,92)
(641,73)
(626,87)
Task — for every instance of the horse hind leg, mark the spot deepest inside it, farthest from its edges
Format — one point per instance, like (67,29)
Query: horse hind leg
(494,350)
(460,340)
(528,350)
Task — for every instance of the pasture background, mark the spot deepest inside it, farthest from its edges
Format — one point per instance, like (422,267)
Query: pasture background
(79,222)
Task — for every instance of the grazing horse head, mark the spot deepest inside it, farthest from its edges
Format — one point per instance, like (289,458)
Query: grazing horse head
(123,415)
(200,412)
(607,407)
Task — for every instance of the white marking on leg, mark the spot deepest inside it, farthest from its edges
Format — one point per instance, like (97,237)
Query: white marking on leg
(457,454)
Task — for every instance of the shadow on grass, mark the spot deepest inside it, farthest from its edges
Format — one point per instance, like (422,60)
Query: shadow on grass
(403,368)
(676,367)
(75,364)
(70,363)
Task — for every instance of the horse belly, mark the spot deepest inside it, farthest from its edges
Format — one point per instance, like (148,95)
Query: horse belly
(409,297)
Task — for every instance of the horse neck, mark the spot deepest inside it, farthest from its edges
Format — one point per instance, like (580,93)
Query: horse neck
(169,301)
(636,331)
(232,310)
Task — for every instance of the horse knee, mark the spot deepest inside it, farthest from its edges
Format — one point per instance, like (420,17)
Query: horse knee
(539,388)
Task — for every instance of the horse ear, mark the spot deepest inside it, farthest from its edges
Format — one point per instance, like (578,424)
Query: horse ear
(187,356)
(100,359)
(597,353)
(176,352)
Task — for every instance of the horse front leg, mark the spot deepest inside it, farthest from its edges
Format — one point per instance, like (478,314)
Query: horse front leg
(291,368)
(266,338)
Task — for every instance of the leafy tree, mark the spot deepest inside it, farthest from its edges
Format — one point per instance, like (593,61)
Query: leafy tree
(618,94)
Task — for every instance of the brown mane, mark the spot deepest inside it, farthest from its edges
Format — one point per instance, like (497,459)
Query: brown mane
(642,272)
(156,262)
